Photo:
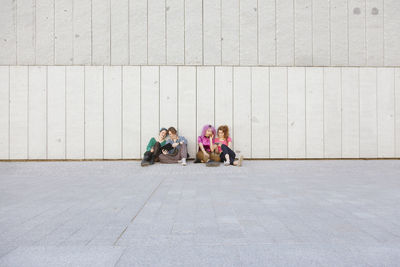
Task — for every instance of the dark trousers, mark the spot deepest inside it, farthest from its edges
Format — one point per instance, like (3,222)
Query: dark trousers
(148,156)
(180,153)
(227,150)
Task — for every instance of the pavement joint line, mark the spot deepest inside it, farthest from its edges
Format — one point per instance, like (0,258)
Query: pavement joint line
(138,212)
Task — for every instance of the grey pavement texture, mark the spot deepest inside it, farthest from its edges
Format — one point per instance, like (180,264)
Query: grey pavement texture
(266,213)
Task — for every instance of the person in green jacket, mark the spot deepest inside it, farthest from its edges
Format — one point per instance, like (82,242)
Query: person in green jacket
(153,148)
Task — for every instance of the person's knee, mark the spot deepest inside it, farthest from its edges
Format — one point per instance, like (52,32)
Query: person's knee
(199,155)
(215,157)
(224,148)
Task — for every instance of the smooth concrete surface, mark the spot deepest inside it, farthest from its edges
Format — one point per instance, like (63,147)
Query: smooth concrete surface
(266,213)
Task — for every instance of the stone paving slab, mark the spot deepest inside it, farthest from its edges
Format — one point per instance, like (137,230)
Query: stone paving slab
(266,213)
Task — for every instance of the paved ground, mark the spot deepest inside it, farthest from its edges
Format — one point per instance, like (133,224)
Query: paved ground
(267,213)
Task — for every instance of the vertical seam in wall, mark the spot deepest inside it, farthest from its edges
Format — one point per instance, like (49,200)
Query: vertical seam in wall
(122,111)
(287,112)
(220,32)
(251,109)
(140,109)
(72,34)
(258,39)
(177,97)
(147,32)
(341,113)
(383,32)
(54,32)
(35,31)
(159,100)
(377,113)
(16,31)
(184,32)
(129,32)
(323,112)
(330,35)
(202,32)
(47,112)
(65,112)
(348,34)
(214,94)
(103,107)
(312,32)
(294,38)
(359,113)
(269,111)
(196,103)
(233,104)
(165,32)
(341,110)
(365,33)
(84,111)
(27,117)
(394,111)
(239,32)
(91,35)
(9,109)
(110,35)
(251,102)
(275,40)
(305,112)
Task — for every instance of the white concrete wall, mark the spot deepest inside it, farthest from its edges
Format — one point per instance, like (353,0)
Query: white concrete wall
(77,112)
(200,32)
(86,79)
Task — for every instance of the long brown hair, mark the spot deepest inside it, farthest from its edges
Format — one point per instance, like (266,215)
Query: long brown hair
(225,129)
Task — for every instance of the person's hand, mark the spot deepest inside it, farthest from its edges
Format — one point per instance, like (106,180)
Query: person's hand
(152,150)
(181,143)
(205,154)
(165,152)
(175,144)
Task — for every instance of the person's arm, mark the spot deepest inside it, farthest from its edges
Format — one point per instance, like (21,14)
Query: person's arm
(151,144)
(202,148)
(183,140)
(200,143)
(230,143)
(212,146)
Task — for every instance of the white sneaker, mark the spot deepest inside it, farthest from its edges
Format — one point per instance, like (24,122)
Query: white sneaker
(183,162)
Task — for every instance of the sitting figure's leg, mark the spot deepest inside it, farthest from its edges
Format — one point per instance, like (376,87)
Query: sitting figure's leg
(202,157)
(169,158)
(183,153)
(156,153)
(146,158)
(225,155)
(229,154)
(215,157)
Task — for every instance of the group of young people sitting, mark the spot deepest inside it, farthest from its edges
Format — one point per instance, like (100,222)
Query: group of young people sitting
(169,147)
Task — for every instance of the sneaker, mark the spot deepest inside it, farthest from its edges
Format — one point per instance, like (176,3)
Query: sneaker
(240,161)
(144,163)
(226,163)
(183,162)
